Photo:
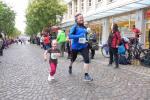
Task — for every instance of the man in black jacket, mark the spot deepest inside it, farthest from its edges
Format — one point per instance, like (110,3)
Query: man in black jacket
(149,39)
(1,45)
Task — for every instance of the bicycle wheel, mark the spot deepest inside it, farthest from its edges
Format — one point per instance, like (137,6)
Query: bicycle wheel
(145,57)
(144,52)
(136,54)
(105,51)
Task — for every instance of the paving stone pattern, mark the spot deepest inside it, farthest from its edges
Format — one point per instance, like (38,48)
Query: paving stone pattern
(23,76)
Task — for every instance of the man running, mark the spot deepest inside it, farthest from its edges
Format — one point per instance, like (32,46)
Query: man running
(78,34)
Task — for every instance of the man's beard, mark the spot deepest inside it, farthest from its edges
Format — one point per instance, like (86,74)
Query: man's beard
(81,24)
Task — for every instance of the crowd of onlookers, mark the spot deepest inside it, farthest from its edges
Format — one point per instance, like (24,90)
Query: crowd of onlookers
(64,43)
(5,42)
(46,37)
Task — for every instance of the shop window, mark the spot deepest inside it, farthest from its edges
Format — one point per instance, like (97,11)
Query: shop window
(147,30)
(125,23)
(97,28)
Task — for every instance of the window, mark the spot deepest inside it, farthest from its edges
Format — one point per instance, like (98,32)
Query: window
(82,4)
(112,0)
(76,6)
(70,8)
(99,3)
(125,23)
(99,0)
(90,3)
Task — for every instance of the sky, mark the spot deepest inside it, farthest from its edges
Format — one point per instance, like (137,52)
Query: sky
(19,6)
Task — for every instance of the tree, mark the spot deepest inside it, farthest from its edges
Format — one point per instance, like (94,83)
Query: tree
(7,19)
(15,33)
(42,13)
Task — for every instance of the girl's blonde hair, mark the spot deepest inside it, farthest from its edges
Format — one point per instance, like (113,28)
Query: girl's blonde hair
(54,41)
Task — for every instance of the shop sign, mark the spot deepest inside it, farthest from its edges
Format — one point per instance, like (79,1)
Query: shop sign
(148,13)
(130,34)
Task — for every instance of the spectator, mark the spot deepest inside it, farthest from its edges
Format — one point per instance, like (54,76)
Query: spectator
(42,41)
(113,42)
(46,42)
(149,39)
(1,45)
(68,45)
(136,31)
(61,39)
(92,41)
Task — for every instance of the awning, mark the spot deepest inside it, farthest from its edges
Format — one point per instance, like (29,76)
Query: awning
(66,24)
(131,6)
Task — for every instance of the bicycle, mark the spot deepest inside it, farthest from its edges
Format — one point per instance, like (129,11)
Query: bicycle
(105,50)
(135,50)
(145,60)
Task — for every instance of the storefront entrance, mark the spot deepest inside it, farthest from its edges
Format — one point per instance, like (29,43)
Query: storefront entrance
(96,27)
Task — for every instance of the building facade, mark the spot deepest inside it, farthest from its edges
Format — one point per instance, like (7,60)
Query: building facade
(100,14)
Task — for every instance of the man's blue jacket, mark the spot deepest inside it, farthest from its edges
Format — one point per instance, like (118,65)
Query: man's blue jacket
(75,33)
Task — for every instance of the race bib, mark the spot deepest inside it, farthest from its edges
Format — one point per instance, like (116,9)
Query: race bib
(53,56)
(82,40)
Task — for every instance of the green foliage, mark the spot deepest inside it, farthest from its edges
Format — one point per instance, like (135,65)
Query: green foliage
(7,19)
(15,33)
(42,13)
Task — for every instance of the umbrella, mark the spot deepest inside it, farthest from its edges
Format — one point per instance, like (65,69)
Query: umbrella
(54,29)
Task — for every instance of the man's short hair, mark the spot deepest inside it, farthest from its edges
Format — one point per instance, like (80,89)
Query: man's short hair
(133,26)
(77,16)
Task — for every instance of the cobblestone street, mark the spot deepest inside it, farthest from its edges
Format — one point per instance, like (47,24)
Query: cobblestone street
(23,76)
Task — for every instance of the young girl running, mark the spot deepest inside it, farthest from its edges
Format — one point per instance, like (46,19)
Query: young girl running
(54,54)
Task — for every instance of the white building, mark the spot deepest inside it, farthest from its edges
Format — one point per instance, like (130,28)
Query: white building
(99,14)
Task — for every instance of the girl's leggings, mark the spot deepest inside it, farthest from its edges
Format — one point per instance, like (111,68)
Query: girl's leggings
(52,68)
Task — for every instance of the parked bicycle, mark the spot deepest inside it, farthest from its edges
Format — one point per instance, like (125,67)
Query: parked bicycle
(145,60)
(105,50)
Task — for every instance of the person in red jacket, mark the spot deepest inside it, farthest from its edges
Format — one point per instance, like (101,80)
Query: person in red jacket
(46,41)
(136,31)
(113,42)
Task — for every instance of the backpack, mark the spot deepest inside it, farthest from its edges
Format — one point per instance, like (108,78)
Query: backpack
(123,60)
(121,49)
